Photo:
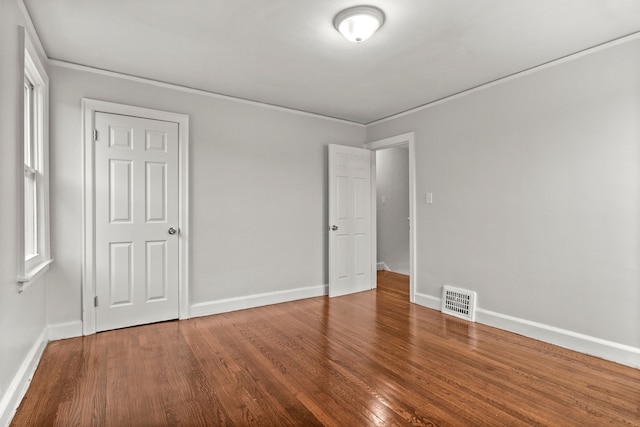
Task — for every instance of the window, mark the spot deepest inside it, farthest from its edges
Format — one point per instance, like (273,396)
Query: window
(30,175)
(35,187)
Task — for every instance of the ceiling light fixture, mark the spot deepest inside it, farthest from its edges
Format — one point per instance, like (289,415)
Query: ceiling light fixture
(359,23)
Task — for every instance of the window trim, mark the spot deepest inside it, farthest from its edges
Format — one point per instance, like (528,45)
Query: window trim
(31,268)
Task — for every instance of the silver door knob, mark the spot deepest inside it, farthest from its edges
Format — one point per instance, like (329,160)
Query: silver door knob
(334,227)
(172,231)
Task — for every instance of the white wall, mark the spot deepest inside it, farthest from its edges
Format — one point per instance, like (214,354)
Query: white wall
(258,190)
(392,183)
(536,186)
(22,316)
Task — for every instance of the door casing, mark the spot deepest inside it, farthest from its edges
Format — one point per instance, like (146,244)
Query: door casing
(405,139)
(89,108)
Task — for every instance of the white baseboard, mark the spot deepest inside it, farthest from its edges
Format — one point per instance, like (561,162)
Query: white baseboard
(608,350)
(18,387)
(428,301)
(61,331)
(256,300)
(383,266)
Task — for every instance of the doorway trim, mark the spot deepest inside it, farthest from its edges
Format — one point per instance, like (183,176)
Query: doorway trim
(405,139)
(89,108)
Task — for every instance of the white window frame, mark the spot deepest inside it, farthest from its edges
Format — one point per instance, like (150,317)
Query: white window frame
(36,165)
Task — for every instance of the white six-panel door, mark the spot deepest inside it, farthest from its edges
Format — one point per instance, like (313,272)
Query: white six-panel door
(136,221)
(350,244)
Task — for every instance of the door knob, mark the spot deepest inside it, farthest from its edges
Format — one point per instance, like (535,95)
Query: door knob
(172,231)
(334,227)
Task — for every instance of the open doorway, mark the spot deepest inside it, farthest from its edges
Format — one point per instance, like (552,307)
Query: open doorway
(392,209)
(397,155)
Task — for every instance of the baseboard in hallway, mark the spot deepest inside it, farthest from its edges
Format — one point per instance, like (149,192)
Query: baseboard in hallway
(381,266)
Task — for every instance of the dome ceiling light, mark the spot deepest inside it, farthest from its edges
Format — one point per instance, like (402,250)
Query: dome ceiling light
(359,23)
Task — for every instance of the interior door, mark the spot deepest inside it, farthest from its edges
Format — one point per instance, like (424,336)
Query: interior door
(350,242)
(136,221)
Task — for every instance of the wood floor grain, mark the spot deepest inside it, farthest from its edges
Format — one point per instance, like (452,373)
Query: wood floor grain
(366,359)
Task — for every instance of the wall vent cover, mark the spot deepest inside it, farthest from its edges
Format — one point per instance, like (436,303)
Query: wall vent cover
(459,302)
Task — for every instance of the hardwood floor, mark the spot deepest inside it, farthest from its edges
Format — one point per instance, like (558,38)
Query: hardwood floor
(366,359)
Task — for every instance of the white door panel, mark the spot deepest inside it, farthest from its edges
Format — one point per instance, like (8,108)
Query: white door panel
(350,264)
(136,179)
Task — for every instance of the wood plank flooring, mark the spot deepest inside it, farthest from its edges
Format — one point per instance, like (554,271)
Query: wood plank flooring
(366,359)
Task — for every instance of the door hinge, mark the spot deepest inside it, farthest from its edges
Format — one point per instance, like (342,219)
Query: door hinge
(95,134)
(95,301)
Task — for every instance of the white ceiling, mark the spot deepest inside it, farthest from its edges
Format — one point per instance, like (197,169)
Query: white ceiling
(287,53)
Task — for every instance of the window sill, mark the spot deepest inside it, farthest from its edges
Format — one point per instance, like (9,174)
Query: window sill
(32,275)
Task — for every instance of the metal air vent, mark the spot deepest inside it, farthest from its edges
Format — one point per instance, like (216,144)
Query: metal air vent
(459,303)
